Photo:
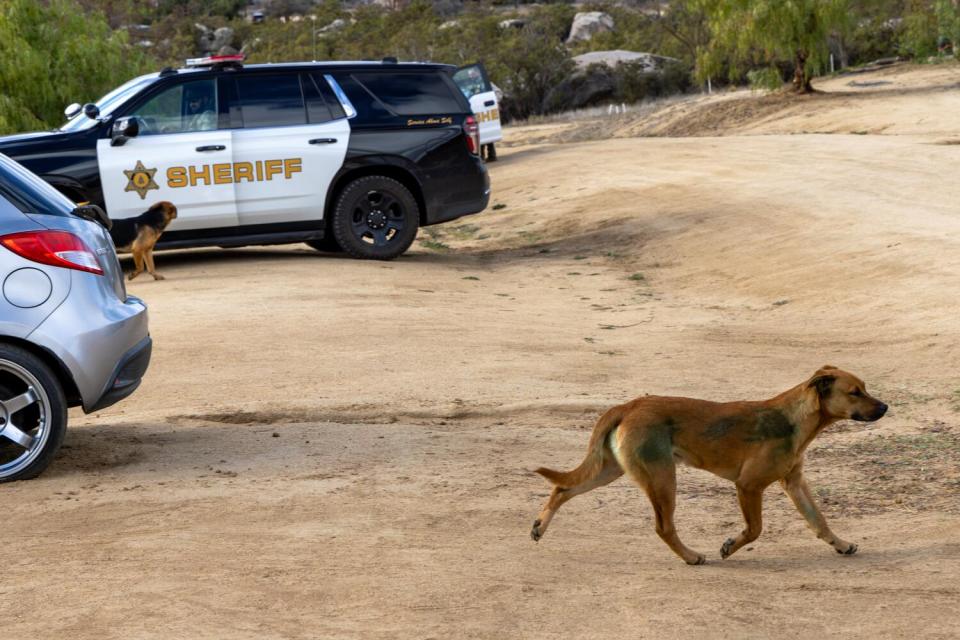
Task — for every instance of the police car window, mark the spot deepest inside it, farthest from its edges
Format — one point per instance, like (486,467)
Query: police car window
(333,103)
(317,110)
(187,107)
(369,109)
(271,100)
(470,80)
(410,94)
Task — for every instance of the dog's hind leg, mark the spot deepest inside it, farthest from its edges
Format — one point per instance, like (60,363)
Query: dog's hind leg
(148,257)
(751,505)
(609,472)
(799,491)
(659,480)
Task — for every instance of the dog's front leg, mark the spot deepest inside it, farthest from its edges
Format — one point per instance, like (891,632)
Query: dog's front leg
(751,504)
(796,487)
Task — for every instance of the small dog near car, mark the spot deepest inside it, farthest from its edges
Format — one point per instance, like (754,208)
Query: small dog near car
(752,444)
(140,234)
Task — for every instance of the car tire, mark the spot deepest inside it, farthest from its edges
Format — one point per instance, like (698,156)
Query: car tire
(375,218)
(327,244)
(33,414)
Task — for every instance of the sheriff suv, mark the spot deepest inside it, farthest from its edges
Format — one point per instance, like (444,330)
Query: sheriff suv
(351,156)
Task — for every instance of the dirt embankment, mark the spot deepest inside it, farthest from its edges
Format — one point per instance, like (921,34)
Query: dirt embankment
(901,99)
(326,448)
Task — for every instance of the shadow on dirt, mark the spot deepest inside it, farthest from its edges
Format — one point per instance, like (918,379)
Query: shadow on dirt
(106,449)
(612,238)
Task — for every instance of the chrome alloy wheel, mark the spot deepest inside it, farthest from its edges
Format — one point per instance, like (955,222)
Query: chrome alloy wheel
(25,418)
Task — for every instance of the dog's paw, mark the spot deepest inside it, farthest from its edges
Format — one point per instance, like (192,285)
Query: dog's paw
(699,559)
(535,531)
(132,276)
(157,276)
(725,548)
(849,551)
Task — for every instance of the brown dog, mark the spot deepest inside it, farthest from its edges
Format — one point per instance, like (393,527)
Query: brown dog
(139,235)
(752,444)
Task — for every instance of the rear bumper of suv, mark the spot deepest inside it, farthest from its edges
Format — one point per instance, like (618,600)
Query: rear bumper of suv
(466,207)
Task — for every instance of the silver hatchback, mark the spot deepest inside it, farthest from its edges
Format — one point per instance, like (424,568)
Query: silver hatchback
(69,333)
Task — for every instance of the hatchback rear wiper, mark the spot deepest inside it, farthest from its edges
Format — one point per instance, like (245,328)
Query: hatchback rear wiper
(95,213)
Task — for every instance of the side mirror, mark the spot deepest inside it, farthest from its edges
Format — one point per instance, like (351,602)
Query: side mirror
(72,110)
(91,110)
(124,129)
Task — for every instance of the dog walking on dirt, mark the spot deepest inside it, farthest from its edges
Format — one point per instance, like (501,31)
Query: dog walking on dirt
(140,234)
(752,444)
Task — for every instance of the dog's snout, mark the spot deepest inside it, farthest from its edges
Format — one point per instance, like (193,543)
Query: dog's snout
(881,411)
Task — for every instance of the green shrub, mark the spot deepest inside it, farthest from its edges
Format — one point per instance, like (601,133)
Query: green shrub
(931,28)
(52,55)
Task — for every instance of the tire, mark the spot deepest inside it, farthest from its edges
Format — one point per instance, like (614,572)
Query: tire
(327,244)
(375,218)
(491,153)
(33,414)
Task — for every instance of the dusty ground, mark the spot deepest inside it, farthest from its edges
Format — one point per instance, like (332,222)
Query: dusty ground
(326,448)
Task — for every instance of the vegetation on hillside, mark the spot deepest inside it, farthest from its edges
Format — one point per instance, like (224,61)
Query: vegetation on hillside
(53,54)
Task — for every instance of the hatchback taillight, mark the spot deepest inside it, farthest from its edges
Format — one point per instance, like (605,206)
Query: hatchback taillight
(472,129)
(57,248)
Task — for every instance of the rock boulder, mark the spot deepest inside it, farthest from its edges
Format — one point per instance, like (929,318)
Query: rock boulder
(589,23)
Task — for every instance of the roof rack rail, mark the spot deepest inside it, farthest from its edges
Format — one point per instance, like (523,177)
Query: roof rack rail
(389,60)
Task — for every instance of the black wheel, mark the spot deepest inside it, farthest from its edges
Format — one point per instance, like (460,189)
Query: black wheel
(491,152)
(375,218)
(33,414)
(328,244)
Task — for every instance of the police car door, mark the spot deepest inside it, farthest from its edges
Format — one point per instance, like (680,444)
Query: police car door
(179,154)
(477,88)
(293,143)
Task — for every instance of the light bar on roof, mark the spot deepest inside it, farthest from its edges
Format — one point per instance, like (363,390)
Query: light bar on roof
(209,61)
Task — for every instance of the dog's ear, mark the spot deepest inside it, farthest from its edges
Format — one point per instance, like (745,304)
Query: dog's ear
(822,382)
(827,367)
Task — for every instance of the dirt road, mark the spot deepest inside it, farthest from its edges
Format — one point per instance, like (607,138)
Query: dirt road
(326,448)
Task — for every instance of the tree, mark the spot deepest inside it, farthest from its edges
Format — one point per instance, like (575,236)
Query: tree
(931,27)
(687,22)
(761,33)
(52,55)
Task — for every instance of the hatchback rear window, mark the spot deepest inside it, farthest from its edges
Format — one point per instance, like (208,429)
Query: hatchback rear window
(410,94)
(29,193)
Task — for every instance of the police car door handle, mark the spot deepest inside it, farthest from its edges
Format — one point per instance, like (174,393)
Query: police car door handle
(323,141)
(211,147)
(489,103)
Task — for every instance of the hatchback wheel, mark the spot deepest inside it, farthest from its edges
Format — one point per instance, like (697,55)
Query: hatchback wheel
(33,414)
(376,218)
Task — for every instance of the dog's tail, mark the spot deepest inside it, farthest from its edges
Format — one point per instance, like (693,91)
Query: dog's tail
(592,464)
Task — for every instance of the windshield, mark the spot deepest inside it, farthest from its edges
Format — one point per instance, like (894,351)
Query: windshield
(110,102)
